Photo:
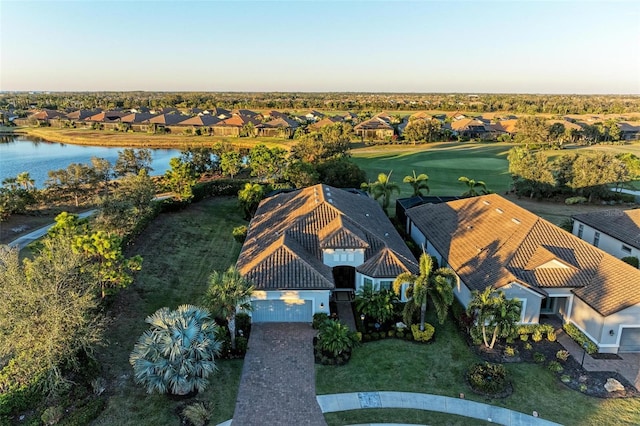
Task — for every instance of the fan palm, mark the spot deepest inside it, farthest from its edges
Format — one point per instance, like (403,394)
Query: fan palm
(177,354)
(227,292)
(418,183)
(429,284)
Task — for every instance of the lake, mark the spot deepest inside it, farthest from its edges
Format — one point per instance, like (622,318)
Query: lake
(23,154)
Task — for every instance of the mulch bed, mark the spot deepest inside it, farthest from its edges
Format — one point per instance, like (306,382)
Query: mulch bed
(575,376)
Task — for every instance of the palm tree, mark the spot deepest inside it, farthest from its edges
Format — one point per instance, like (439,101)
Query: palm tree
(418,183)
(383,188)
(177,354)
(227,292)
(24,179)
(471,187)
(494,312)
(436,285)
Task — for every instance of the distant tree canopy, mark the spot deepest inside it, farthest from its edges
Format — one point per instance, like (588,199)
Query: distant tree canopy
(362,104)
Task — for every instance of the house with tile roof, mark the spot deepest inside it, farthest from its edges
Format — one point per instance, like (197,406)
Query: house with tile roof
(374,129)
(489,241)
(306,246)
(615,231)
(282,126)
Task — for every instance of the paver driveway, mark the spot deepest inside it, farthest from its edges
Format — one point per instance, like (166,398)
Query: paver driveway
(278,385)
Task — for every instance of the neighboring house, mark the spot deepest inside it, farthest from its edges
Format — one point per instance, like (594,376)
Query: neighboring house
(471,128)
(137,121)
(232,126)
(307,245)
(82,114)
(106,117)
(282,127)
(327,121)
(629,131)
(203,120)
(313,116)
(489,241)
(374,129)
(615,231)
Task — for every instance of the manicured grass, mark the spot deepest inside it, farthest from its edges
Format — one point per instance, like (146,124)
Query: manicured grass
(384,415)
(439,368)
(444,163)
(180,250)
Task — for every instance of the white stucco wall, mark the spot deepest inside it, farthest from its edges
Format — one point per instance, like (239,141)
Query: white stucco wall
(627,318)
(343,257)
(606,242)
(530,302)
(587,319)
(318,297)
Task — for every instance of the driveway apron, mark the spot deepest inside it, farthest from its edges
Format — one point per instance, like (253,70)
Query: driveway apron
(278,386)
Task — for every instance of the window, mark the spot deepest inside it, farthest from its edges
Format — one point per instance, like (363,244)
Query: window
(596,239)
(385,285)
(368,281)
(343,257)
(580,230)
(626,249)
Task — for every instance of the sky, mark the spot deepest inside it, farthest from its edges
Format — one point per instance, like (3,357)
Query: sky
(573,47)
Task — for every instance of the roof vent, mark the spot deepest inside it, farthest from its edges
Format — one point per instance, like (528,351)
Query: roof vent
(330,200)
(386,234)
(500,211)
(366,214)
(516,221)
(486,203)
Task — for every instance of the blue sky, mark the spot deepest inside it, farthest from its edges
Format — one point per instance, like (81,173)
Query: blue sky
(380,46)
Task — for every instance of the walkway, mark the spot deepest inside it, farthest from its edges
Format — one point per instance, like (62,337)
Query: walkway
(345,314)
(628,366)
(278,385)
(25,240)
(422,401)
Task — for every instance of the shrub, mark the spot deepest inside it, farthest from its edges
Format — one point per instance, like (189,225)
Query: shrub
(510,351)
(551,336)
(84,415)
(242,344)
(52,415)
(528,346)
(580,338)
(240,233)
(539,358)
(422,336)
(582,387)
(318,319)
(335,338)
(536,336)
(488,378)
(166,361)
(197,413)
(243,324)
(575,200)
(562,355)
(565,378)
(555,366)
(631,260)
(524,337)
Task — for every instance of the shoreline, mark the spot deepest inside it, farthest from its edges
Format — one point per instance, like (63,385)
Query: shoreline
(140,140)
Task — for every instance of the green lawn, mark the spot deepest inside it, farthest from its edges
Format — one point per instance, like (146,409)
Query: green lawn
(439,367)
(444,163)
(180,250)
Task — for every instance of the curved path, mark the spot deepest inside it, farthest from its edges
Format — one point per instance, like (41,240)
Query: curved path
(25,240)
(422,401)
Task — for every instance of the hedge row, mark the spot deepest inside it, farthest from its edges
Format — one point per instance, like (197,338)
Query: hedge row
(580,338)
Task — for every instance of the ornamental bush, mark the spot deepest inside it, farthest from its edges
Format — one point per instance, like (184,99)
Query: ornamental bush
(422,336)
(488,378)
(580,338)
(562,355)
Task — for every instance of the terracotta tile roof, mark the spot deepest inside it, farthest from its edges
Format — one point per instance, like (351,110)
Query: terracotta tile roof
(509,126)
(488,240)
(167,119)
(623,225)
(81,114)
(289,231)
(237,121)
(47,114)
(138,117)
(200,120)
(327,121)
(106,116)
(280,122)
(374,123)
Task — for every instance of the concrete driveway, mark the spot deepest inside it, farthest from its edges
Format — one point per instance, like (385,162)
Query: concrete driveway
(278,385)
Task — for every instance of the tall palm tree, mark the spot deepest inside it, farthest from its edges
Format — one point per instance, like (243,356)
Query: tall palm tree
(429,284)
(418,183)
(383,188)
(472,185)
(494,312)
(227,292)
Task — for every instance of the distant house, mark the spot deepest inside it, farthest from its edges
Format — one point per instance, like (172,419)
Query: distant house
(471,128)
(615,231)
(82,114)
(629,131)
(233,126)
(204,120)
(106,117)
(489,241)
(137,121)
(327,121)
(314,115)
(282,127)
(374,129)
(309,246)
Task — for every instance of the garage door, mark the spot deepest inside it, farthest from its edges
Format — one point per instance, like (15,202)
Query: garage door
(281,311)
(630,340)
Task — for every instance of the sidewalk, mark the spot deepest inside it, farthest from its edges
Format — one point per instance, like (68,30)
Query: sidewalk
(421,401)
(25,240)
